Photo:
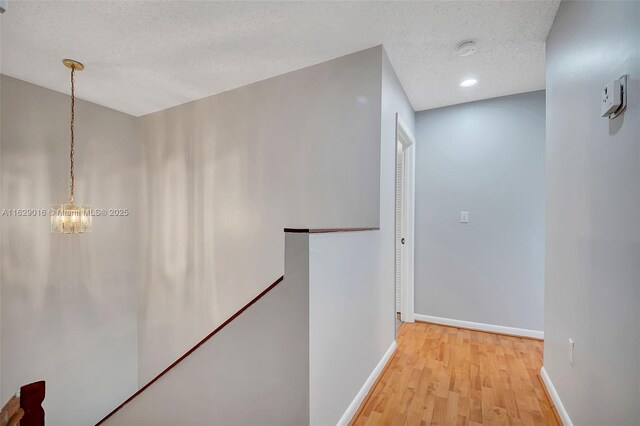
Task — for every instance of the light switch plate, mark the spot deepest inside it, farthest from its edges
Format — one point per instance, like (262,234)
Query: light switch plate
(571,347)
(464,216)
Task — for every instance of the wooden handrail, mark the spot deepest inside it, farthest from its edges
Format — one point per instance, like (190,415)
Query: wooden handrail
(190,351)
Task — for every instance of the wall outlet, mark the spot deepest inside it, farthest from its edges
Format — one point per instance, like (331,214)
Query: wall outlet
(464,216)
(571,346)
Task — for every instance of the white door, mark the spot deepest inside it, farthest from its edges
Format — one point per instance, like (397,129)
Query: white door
(404,241)
(400,222)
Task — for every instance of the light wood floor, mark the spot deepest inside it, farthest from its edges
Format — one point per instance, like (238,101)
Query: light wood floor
(446,376)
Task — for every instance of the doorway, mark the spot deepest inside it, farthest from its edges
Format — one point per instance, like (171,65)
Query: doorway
(404,222)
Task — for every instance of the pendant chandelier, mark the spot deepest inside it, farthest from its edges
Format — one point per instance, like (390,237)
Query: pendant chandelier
(71,218)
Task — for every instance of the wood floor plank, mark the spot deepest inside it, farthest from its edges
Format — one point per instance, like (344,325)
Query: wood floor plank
(449,376)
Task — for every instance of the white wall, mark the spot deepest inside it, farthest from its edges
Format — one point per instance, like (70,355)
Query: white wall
(487,157)
(350,319)
(68,301)
(225,175)
(255,371)
(593,205)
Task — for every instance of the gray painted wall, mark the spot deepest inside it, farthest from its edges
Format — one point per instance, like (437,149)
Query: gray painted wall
(593,205)
(255,371)
(225,175)
(486,157)
(69,302)
(347,298)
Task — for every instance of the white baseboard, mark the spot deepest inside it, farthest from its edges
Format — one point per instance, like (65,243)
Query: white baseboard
(366,387)
(536,334)
(555,398)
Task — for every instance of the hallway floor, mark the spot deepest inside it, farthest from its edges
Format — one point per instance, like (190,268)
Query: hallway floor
(446,376)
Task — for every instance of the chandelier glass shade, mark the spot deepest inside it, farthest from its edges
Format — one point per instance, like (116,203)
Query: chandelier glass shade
(70,218)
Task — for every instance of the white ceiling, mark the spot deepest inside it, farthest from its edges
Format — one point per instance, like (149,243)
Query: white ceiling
(145,56)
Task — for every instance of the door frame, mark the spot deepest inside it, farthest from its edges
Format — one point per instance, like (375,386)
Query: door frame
(406,138)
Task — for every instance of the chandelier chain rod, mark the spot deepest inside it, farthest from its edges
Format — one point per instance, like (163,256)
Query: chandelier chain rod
(73,101)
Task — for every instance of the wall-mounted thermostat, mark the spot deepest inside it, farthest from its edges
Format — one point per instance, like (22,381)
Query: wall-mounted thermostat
(614,98)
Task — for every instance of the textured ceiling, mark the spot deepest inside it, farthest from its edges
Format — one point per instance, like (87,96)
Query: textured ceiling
(144,56)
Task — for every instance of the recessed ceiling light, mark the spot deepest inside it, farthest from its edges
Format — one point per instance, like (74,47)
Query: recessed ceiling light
(469,82)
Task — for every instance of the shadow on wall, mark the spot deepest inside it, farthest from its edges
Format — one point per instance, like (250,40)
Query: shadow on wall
(225,175)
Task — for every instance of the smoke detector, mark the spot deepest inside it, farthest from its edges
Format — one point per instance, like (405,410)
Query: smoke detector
(466,48)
